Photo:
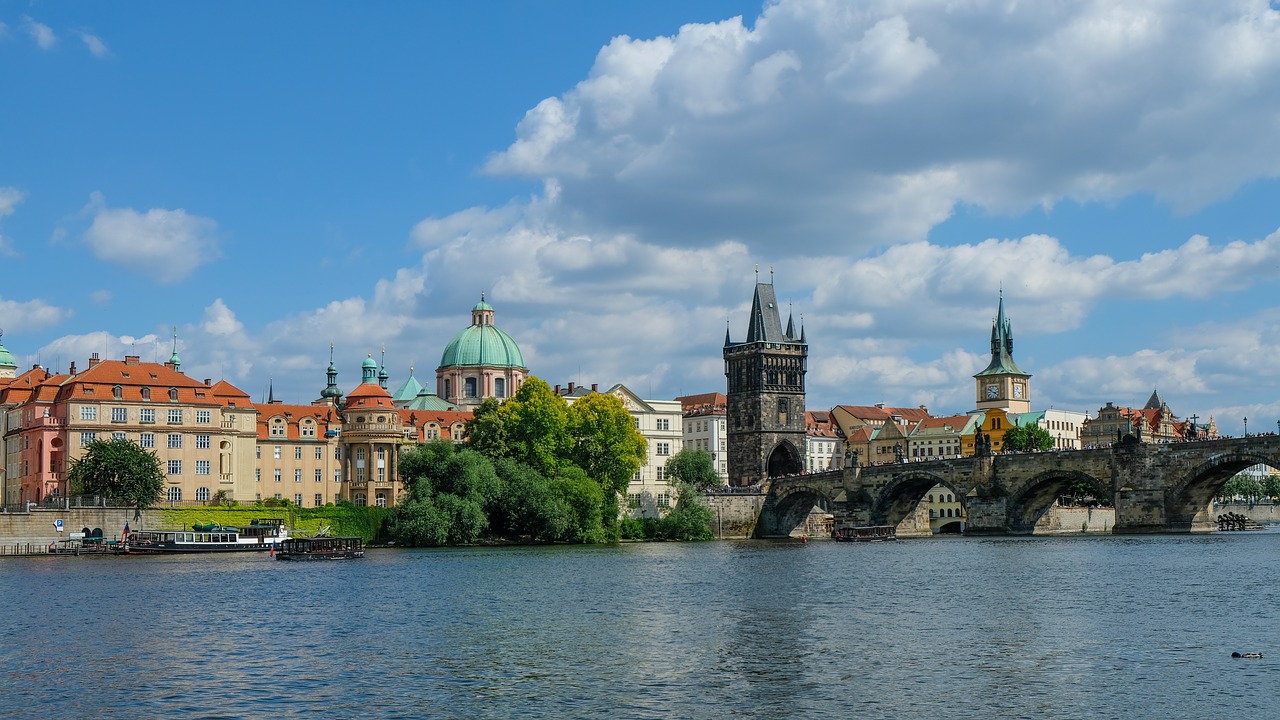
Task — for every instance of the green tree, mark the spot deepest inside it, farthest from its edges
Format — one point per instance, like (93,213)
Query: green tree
(118,469)
(606,443)
(1026,437)
(691,518)
(586,504)
(694,468)
(536,426)
(486,430)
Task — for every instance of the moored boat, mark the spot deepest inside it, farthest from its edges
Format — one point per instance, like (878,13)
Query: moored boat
(321,548)
(870,533)
(258,536)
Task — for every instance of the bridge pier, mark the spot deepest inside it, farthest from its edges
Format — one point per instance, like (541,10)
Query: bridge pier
(986,516)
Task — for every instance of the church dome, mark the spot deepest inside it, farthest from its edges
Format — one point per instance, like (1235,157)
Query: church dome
(482,344)
(7,359)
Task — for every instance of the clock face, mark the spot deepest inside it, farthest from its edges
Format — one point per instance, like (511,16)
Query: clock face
(1017,391)
(993,391)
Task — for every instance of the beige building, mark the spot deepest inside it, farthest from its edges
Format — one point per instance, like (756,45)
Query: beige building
(936,438)
(704,428)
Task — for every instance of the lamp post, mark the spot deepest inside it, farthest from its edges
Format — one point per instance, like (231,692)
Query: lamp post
(1246,427)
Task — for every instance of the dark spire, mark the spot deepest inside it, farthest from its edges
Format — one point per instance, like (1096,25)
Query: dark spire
(331,391)
(271,391)
(382,371)
(791,323)
(727,341)
(1001,346)
(765,325)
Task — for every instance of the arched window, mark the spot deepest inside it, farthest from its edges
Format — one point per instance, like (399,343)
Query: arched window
(117,392)
(173,394)
(175,494)
(202,494)
(448,389)
(470,387)
(146,393)
(381,500)
(362,499)
(499,387)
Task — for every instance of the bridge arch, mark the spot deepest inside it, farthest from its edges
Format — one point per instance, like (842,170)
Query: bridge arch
(1029,504)
(784,459)
(792,503)
(1190,504)
(898,499)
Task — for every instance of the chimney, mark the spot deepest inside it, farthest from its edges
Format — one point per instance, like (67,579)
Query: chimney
(132,359)
(93,360)
(208,382)
(595,387)
(73,367)
(557,390)
(570,388)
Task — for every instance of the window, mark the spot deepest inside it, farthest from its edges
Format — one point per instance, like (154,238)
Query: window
(119,415)
(146,393)
(87,437)
(257,452)
(664,424)
(663,448)
(203,417)
(633,500)
(337,476)
(319,499)
(381,500)
(664,500)
(147,416)
(448,389)
(203,442)
(277,496)
(499,387)
(297,499)
(173,394)
(88,412)
(319,475)
(257,475)
(175,416)
(457,432)
(202,494)
(202,468)
(297,453)
(275,452)
(470,387)
(117,436)
(117,392)
(662,473)
(147,440)
(308,429)
(337,452)
(175,494)
(175,467)
(175,440)
(277,474)
(361,500)
(297,475)
(319,453)
(277,428)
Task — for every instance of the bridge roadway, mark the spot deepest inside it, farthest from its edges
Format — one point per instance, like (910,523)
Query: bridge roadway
(1156,487)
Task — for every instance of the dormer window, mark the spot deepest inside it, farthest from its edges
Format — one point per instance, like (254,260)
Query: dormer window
(173,394)
(117,392)
(146,393)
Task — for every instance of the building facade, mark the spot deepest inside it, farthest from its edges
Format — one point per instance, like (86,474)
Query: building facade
(704,428)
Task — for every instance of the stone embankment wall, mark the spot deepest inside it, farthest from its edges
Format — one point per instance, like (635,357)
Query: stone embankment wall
(735,514)
(1262,514)
(37,526)
(1075,520)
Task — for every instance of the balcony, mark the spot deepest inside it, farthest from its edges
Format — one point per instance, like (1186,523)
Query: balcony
(46,421)
(226,479)
(228,424)
(359,484)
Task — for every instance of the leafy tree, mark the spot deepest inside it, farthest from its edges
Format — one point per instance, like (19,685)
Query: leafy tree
(691,518)
(585,502)
(536,426)
(119,469)
(531,507)
(1026,438)
(1242,487)
(694,468)
(486,430)
(606,443)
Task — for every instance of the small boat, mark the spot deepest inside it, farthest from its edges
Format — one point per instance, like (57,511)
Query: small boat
(321,548)
(869,533)
(259,536)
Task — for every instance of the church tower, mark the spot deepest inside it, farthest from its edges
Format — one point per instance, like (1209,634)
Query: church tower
(765,412)
(1003,385)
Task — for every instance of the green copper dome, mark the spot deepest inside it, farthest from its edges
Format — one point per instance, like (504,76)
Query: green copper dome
(482,345)
(7,359)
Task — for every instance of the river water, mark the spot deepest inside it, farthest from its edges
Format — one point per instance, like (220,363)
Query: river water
(1090,627)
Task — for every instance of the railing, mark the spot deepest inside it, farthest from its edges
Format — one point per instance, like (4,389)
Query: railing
(228,424)
(359,483)
(45,420)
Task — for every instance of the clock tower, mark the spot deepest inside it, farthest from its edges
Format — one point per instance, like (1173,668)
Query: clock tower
(1003,385)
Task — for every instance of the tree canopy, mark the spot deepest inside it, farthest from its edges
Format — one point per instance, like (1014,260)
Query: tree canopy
(695,468)
(606,443)
(119,469)
(1028,437)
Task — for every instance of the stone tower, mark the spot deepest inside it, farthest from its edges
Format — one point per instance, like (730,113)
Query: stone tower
(765,412)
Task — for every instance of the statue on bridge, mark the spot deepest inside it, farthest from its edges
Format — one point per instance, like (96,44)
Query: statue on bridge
(897,453)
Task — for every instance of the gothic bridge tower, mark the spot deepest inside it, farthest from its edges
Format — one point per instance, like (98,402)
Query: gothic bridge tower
(765,413)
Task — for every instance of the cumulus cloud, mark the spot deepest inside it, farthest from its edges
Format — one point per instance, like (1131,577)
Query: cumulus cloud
(25,315)
(851,126)
(167,245)
(42,34)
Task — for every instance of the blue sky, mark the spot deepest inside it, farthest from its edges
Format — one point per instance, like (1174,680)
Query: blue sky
(270,177)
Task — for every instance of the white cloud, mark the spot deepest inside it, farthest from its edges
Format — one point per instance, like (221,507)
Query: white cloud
(41,33)
(10,197)
(30,315)
(850,126)
(94,43)
(167,245)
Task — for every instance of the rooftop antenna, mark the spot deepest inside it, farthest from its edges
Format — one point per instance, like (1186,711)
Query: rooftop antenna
(770,274)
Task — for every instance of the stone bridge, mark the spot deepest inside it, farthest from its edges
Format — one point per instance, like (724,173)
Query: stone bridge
(1156,488)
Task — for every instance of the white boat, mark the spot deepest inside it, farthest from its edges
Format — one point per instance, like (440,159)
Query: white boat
(259,536)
